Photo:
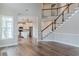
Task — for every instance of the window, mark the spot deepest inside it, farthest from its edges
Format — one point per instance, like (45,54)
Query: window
(7,27)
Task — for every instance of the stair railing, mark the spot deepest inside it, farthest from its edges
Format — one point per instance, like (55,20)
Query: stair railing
(54,23)
(52,9)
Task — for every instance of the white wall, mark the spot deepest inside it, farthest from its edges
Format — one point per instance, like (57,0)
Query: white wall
(70,26)
(65,38)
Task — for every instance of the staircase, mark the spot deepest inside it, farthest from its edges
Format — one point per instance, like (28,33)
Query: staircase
(53,32)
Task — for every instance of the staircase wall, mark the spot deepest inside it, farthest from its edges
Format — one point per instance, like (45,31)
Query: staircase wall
(70,25)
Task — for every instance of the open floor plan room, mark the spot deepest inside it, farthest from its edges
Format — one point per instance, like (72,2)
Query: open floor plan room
(39,29)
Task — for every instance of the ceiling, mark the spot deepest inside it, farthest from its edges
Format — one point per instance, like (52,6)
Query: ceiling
(17,8)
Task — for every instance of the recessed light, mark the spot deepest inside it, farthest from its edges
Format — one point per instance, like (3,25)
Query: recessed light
(26,9)
(19,14)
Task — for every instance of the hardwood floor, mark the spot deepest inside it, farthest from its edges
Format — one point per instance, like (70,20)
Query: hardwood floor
(31,48)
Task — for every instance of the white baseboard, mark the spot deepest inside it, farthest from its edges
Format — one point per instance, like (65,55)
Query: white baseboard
(61,43)
(6,45)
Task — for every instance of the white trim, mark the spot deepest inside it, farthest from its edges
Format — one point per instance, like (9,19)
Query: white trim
(61,43)
(6,45)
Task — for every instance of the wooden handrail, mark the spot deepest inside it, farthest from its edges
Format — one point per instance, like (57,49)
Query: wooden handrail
(57,17)
(63,11)
(56,8)
(47,26)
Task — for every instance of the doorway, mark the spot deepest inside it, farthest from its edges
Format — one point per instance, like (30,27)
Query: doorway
(25,28)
